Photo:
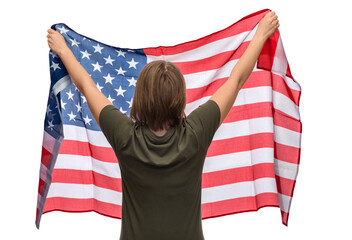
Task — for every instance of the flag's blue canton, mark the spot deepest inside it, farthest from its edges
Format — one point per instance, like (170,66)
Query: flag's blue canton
(113,70)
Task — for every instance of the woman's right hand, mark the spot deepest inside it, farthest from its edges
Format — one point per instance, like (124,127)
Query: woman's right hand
(268,25)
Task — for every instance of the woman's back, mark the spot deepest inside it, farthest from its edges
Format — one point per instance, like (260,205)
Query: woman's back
(161,175)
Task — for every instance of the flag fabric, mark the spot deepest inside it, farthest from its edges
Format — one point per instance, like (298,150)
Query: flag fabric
(252,161)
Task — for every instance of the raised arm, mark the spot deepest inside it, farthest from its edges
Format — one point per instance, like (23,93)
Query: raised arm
(226,95)
(95,99)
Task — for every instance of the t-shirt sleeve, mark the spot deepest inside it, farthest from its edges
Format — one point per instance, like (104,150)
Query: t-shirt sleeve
(115,125)
(205,120)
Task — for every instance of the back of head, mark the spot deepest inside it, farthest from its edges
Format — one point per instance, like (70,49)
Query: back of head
(160,96)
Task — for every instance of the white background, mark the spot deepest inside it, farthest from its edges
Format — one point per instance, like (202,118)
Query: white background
(317,41)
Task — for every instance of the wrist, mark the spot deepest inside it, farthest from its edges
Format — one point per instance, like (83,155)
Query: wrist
(64,52)
(259,38)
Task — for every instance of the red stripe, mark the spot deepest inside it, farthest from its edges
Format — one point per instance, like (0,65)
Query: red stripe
(287,153)
(82,205)
(249,111)
(209,210)
(213,62)
(46,155)
(266,57)
(285,185)
(243,25)
(41,186)
(256,79)
(105,154)
(238,205)
(239,174)
(242,143)
(279,85)
(86,177)
(281,119)
(284,216)
(211,179)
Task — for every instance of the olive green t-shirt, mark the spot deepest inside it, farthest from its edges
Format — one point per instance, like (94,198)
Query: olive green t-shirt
(161,175)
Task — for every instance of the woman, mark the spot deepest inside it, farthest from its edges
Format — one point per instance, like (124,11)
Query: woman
(161,154)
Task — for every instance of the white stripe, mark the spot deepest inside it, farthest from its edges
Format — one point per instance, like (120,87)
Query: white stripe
(244,128)
(213,194)
(39,198)
(237,190)
(286,105)
(61,84)
(78,133)
(212,164)
(208,50)
(84,191)
(204,78)
(48,142)
(77,162)
(280,60)
(244,96)
(43,172)
(284,202)
(287,137)
(292,84)
(238,159)
(286,169)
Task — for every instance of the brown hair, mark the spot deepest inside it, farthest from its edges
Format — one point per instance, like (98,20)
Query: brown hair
(160,96)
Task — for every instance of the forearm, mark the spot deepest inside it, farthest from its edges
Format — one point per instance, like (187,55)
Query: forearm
(246,63)
(78,74)
(226,95)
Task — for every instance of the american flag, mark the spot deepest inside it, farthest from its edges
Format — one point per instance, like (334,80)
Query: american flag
(252,161)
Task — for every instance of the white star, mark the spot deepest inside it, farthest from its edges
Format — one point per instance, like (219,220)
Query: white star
(97,67)
(51,125)
(98,48)
(99,87)
(120,71)
(132,81)
(132,63)
(79,108)
(76,89)
(53,54)
(48,110)
(63,30)
(87,120)
(72,116)
(111,99)
(130,103)
(109,60)
(54,65)
(108,79)
(85,54)
(122,110)
(120,91)
(130,50)
(120,53)
(84,99)
(63,104)
(70,95)
(74,42)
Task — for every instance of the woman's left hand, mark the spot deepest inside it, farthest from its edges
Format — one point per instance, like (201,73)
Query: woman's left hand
(56,42)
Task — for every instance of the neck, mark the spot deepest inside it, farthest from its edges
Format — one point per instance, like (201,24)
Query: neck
(162,131)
